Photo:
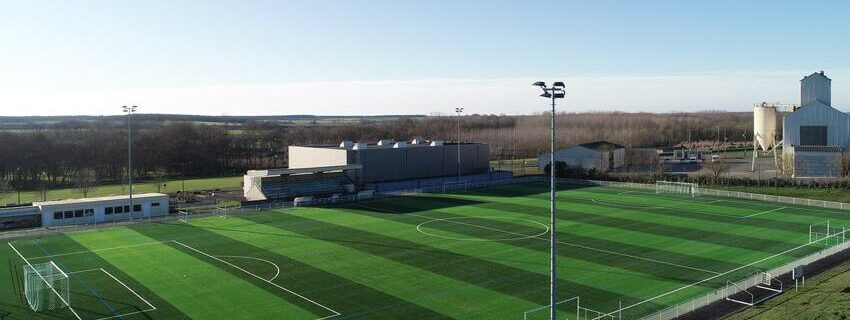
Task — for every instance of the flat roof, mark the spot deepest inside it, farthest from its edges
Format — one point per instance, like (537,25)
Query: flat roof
(99,199)
(374,145)
(286,171)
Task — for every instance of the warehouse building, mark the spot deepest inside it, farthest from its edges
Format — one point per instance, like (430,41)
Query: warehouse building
(382,165)
(815,134)
(84,211)
(595,155)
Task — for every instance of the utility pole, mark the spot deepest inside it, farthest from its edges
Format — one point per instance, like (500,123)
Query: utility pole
(130,111)
(458,110)
(556,91)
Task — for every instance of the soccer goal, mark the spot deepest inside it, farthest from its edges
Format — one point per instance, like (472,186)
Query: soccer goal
(685,188)
(46,287)
(222,212)
(826,234)
(183,216)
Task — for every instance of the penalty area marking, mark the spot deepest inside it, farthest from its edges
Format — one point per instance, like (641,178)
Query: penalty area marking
(335,313)
(624,205)
(519,236)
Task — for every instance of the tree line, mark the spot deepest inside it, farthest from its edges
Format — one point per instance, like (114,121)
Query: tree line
(60,154)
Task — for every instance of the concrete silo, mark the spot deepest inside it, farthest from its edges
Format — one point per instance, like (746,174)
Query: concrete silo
(765,124)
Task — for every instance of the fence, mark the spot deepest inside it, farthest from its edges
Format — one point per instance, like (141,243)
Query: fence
(256,208)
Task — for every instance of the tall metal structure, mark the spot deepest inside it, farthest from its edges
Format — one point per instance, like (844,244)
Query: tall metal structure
(129,111)
(765,124)
(458,110)
(556,91)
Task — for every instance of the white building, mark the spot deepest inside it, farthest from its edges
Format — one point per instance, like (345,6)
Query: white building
(815,130)
(594,155)
(103,209)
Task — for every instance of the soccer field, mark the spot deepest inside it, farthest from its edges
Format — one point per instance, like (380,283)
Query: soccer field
(482,254)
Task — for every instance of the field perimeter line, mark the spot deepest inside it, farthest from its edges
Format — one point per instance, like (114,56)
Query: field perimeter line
(152,308)
(45,281)
(763,212)
(566,243)
(335,313)
(103,249)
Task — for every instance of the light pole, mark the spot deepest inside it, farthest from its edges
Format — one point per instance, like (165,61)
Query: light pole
(556,91)
(129,111)
(458,110)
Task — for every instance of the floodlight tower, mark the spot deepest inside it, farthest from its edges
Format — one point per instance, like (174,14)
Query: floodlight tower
(458,110)
(129,111)
(556,91)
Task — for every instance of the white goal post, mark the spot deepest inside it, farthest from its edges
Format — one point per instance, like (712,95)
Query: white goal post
(685,188)
(222,212)
(183,216)
(46,287)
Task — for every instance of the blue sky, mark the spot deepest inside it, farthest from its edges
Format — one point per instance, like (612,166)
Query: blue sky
(372,57)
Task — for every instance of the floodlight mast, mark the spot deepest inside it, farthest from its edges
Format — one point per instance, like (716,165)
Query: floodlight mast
(458,110)
(556,91)
(129,111)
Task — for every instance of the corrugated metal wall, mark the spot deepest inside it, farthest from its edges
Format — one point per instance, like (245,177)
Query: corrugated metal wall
(817,114)
(815,87)
(389,164)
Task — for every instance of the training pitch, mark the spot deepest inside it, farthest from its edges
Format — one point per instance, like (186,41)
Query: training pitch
(481,254)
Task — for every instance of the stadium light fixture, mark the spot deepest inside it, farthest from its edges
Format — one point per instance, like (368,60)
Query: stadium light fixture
(556,91)
(129,111)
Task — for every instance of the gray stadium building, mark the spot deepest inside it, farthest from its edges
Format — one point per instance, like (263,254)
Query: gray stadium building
(381,166)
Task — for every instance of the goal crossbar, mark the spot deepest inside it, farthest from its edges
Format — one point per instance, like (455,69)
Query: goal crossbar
(672,187)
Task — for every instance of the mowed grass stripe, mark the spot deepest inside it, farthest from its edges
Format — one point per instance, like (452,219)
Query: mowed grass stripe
(522,283)
(325,247)
(234,237)
(531,255)
(668,226)
(620,238)
(199,289)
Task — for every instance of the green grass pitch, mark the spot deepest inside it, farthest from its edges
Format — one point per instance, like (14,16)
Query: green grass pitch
(482,254)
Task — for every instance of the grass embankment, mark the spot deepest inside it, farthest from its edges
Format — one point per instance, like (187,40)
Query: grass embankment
(224,183)
(825,296)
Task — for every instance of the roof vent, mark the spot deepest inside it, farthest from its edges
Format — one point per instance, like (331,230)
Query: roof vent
(360,146)
(346,144)
(821,72)
(436,143)
(400,144)
(385,142)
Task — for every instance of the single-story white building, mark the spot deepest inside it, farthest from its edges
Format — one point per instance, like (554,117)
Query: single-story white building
(103,209)
(596,155)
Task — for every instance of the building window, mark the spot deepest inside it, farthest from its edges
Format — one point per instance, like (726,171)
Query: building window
(119,209)
(69,214)
(108,210)
(78,213)
(137,208)
(57,215)
(155,204)
(813,135)
(127,209)
(89,212)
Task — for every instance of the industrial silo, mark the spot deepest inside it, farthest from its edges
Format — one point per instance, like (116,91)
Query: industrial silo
(764,129)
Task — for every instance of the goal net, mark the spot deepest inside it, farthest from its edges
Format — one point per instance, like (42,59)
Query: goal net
(46,287)
(827,234)
(691,189)
(222,212)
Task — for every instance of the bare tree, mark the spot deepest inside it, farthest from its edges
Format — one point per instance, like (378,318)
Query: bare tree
(159,179)
(85,181)
(5,186)
(717,167)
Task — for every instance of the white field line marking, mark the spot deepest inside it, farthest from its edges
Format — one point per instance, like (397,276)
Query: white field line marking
(763,212)
(45,281)
(625,205)
(82,271)
(99,250)
(571,244)
(627,192)
(715,201)
(708,279)
(277,268)
(128,288)
(335,313)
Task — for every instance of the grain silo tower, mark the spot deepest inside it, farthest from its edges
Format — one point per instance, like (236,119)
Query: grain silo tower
(765,122)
